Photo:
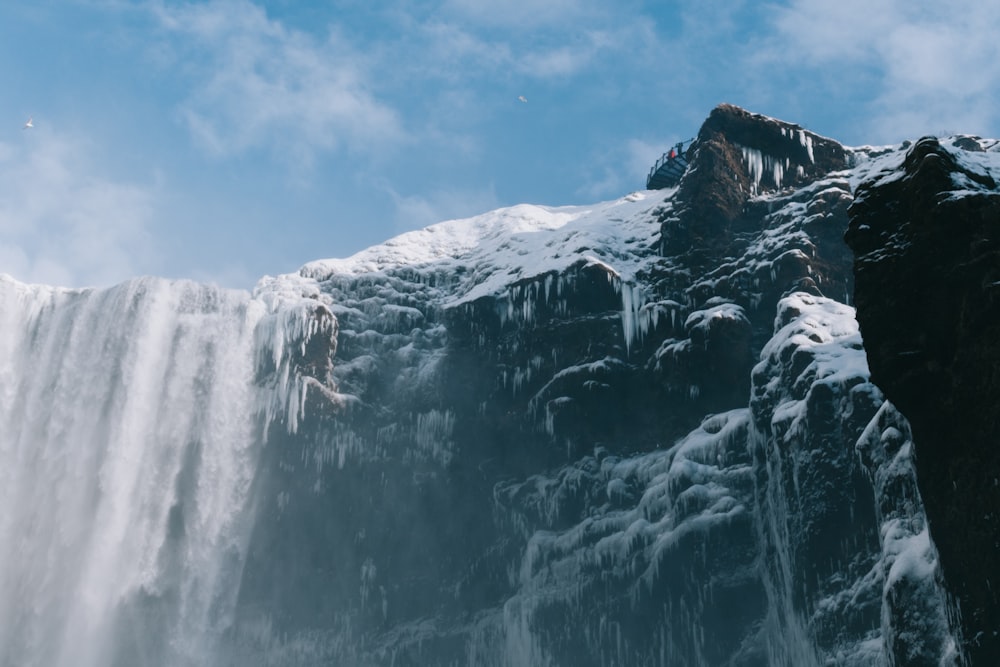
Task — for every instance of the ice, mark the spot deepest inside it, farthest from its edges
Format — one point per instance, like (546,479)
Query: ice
(668,500)
(815,358)
(759,165)
(526,257)
(549,400)
(522,376)
(701,320)
(916,610)
(806,140)
(633,324)
(432,435)
(142,410)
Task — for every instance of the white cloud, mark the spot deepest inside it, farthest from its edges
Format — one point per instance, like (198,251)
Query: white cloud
(452,47)
(522,14)
(558,62)
(259,84)
(937,67)
(622,169)
(843,31)
(467,40)
(419,211)
(64,222)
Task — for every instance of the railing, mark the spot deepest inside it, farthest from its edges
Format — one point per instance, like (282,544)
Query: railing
(667,158)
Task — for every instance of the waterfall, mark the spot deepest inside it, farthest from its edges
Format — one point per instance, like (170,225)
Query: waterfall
(131,420)
(786,635)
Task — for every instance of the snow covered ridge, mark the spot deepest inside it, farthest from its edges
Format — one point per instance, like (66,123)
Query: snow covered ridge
(523,253)
(510,244)
(506,251)
(973,155)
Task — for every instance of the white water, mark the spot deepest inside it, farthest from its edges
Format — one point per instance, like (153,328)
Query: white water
(130,427)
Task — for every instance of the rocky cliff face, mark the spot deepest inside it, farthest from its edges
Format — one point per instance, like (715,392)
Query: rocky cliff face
(635,433)
(927,239)
(639,434)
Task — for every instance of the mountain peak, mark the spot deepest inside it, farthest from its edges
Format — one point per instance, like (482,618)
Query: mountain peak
(777,139)
(739,157)
(739,154)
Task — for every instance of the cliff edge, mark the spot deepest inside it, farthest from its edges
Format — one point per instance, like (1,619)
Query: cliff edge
(926,238)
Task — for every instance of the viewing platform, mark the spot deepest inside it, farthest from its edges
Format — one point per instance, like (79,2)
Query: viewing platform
(667,171)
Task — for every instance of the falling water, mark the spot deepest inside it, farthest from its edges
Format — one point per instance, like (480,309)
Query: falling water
(787,638)
(130,427)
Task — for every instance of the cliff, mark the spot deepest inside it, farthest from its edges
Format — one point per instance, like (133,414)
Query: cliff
(635,433)
(926,234)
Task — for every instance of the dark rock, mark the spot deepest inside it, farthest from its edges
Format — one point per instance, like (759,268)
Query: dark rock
(737,155)
(927,270)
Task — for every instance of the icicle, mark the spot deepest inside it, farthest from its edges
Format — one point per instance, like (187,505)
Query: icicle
(806,141)
(290,325)
(755,166)
(633,324)
(777,172)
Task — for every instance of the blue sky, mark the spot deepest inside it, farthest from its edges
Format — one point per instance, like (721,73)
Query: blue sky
(229,139)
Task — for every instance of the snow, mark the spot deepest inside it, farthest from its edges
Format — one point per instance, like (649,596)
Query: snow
(883,164)
(524,253)
(916,611)
(528,256)
(813,345)
(702,319)
(510,244)
(816,344)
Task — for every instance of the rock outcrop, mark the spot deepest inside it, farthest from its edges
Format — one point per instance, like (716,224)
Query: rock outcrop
(655,443)
(926,234)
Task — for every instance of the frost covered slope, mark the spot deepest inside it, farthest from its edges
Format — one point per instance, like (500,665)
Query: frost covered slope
(500,247)
(522,385)
(486,255)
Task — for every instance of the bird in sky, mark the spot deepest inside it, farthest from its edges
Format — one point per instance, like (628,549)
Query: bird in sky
(523,98)
(29,124)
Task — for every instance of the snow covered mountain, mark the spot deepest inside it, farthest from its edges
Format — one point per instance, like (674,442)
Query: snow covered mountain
(636,433)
